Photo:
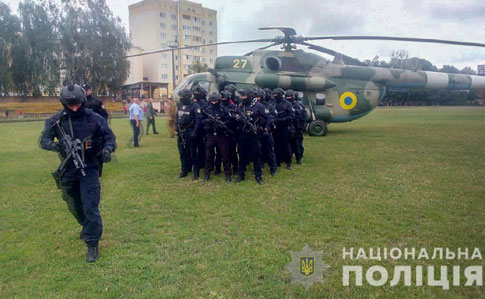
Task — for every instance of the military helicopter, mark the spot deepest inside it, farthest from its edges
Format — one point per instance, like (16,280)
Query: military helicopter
(338,91)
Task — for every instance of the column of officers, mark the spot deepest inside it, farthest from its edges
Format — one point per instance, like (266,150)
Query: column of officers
(230,130)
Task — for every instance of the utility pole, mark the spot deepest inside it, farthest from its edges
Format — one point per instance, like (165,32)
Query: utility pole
(174,46)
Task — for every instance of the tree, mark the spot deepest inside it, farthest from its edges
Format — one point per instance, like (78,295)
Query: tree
(93,45)
(448,69)
(398,57)
(9,33)
(468,70)
(198,67)
(40,47)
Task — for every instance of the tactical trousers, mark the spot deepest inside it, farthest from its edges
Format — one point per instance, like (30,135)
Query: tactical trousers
(219,142)
(231,145)
(249,150)
(267,151)
(82,196)
(136,132)
(188,151)
(152,123)
(282,145)
(297,144)
(200,144)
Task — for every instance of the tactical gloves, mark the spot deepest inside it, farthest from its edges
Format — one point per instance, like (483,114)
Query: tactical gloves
(55,146)
(106,155)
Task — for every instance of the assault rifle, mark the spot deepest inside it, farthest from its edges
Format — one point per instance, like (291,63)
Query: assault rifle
(219,122)
(247,122)
(71,149)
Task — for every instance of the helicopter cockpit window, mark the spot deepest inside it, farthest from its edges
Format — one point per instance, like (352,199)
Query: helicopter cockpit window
(185,84)
(320,99)
(204,84)
(272,63)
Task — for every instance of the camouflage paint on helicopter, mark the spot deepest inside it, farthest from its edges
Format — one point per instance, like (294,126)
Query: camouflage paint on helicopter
(332,91)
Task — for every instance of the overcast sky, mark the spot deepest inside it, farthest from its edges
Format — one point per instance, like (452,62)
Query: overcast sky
(462,20)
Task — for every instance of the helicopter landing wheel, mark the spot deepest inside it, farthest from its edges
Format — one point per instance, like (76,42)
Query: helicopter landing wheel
(318,128)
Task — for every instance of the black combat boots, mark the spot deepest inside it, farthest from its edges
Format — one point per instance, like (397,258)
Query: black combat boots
(93,253)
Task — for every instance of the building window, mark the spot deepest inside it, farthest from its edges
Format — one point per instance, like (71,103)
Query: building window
(162,25)
(196,48)
(203,22)
(176,57)
(174,17)
(186,17)
(197,38)
(210,33)
(187,57)
(211,51)
(163,35)
(164,66)
(186,66)
(211,60)
(164,77)
(176,77)
(162,14)
(210,41)
(186,36)
(174,27)
(196,58)
(196,19)
(164,56)
(196,28)
(163,46)
(210,23)
(186,27)
(176,67)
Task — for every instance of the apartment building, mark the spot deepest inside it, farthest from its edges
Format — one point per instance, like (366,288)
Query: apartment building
(167,24)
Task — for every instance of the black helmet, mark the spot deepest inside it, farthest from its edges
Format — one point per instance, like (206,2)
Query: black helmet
(259,93)
(214,97)
(225,94)
(278,93)
(86,86)
(289,94)
(72,94)
(230,87)
(246,92)
(185,96)
(199,92)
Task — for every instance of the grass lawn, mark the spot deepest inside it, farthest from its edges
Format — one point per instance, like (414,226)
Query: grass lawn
(407,177)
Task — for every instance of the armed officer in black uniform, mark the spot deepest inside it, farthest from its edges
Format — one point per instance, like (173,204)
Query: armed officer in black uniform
(187,125)
(235,99)
(200,97)
(252,121)
(232,139)
(84,142)
(216,121)
(93,102)
(299,125)
(267,142)
(283,121)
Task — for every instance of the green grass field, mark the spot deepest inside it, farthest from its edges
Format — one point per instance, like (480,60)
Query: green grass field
(408,177)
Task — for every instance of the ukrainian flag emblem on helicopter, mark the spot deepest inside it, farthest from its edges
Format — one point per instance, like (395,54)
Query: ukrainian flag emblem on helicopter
(348,100)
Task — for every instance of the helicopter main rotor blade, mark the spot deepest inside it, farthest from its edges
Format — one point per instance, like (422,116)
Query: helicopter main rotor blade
(262,48)
(395,38)
(266,40)
(347,59)
(287,31)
